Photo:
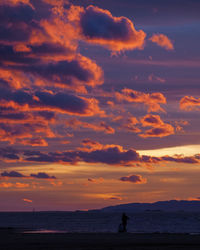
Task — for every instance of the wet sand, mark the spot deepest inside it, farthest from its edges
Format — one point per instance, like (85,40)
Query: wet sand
(11,239)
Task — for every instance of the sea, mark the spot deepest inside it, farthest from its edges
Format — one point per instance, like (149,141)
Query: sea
(94,222)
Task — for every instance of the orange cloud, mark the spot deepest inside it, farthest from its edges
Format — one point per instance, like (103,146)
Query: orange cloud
(56,183)
(6,184)
(114,33)
(160,129)
(102,126)
(34,142)
(152,101)
(21,185)
(17,185)
(16,2)
(13,78)
(56,2)
(58,31)
(193,199)
(179,125)
(60,102)
(151,120)
(16,132)
(27,200)
(75,74)
(189,103)
(108,196)
(92,144)
(64,142)
(163,41)
(130,125)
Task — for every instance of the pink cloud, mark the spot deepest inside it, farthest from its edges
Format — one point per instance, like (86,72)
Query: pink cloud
(163,41)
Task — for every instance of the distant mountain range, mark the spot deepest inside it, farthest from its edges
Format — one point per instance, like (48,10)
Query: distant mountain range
(167,206)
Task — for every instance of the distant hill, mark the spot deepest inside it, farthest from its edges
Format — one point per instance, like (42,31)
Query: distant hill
(172,205)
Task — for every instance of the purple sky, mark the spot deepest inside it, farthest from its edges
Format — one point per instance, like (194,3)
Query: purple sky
(99,102)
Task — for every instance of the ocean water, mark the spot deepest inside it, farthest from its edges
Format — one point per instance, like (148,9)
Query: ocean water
(147,222)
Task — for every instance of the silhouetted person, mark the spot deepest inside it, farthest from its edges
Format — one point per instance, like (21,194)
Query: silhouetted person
(124,221)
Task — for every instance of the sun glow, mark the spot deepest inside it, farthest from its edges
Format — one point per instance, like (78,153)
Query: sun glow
(187,150)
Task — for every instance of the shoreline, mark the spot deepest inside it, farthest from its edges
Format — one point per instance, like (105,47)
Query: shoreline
(16,239)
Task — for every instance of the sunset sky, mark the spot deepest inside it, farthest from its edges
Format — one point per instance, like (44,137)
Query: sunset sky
(99,103)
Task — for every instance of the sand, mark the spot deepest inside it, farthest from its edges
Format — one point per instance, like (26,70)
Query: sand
(15,239)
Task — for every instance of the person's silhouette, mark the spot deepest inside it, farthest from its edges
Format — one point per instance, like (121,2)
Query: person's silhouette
(124,221)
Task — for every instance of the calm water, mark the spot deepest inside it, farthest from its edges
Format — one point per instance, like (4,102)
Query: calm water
(180,222)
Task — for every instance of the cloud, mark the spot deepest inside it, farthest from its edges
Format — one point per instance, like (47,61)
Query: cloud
(130,125)
(108,154)
(97,181)
(14,174)
(106,196)
(33,54)
(66,103)
(15,185)
(27,200)
(56,2)
(91,144)
(179,125)
(101,126)
(163,41)
(13,79)
(43,46)
(21,185)
(97,153)
(151,120)
(117,198)
(9,154)
(56,183)
(154,78)
(189,160)
(137,179)
(34,142)
(160,129)
(19,18)
(75,74)
(152,101)
(38,47)
(16,2)
(6,184)
(99,26)
(112,155)
(48,101)
(189,103)
(16,132)
(42,175)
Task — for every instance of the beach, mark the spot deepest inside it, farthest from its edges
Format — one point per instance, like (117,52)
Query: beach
(13,239)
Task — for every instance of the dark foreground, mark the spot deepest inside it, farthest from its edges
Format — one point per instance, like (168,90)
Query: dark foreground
(15,240)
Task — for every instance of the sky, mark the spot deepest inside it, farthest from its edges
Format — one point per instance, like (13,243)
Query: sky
(99,103)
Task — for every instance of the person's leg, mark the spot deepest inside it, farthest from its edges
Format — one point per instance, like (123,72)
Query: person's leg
(124,227)
(125,230)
